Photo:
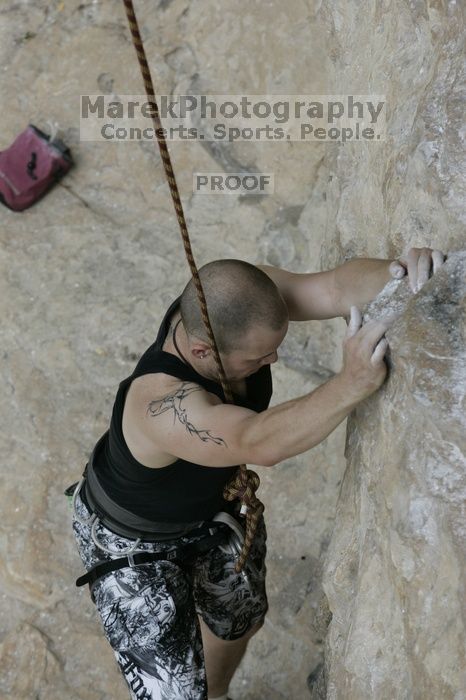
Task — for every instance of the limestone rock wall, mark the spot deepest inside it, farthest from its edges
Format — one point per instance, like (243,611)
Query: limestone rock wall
(394,569)
(396,566)
(410,189)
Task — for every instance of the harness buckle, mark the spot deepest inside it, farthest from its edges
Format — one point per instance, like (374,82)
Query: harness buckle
(236,541)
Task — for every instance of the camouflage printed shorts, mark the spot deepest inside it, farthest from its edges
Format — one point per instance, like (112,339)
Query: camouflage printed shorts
(149,612)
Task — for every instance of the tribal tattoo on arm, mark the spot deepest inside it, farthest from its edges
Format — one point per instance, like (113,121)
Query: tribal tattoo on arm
(172,402)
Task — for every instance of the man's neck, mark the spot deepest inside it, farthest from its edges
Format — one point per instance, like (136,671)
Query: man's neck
(202,367)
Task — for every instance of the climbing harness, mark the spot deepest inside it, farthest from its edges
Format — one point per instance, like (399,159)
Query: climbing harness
(213,533)
(183,555)
(223,529)
(245,483)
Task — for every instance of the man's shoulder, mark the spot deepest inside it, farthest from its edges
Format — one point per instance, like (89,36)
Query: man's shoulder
(159,386)
(159,395)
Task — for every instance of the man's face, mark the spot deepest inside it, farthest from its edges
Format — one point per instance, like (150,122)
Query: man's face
(259,347)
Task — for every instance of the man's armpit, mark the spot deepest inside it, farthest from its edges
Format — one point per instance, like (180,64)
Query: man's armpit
(172,403)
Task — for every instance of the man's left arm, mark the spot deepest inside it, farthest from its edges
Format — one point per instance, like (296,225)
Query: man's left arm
(331,294)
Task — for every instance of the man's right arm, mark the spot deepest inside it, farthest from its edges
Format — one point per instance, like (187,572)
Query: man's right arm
(194,425)
(298,425)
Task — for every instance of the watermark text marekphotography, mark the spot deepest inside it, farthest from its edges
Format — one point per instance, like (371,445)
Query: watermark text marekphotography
(233,183)
(233,118)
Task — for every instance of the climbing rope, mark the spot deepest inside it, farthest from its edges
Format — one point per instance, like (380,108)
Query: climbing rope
(245,482)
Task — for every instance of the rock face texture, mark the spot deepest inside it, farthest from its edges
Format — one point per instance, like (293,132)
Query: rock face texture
(382,198)
(395,573)
(88,272)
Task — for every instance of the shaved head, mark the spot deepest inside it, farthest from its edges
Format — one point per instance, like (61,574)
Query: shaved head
(239,297)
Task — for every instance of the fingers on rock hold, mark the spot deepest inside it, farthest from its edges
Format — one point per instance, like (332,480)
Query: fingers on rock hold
(354,322)
(379,352)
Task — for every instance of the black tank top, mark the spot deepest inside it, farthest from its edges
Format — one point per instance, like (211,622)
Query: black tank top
(182,491)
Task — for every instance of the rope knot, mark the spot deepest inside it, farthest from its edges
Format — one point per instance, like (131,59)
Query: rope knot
(244,486)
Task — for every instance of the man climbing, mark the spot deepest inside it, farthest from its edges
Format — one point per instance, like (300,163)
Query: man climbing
(178,616)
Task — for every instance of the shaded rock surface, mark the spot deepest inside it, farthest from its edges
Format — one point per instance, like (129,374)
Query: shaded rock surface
(395,571)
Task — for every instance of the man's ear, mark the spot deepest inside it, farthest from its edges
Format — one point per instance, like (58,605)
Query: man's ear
(200,349)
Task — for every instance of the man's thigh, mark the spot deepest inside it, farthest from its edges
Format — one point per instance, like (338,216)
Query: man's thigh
(232,604)
(148,616)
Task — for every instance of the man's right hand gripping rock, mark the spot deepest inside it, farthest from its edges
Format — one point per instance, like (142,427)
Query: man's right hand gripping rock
(364,347)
